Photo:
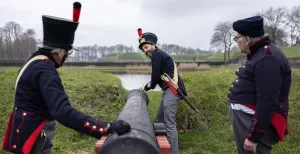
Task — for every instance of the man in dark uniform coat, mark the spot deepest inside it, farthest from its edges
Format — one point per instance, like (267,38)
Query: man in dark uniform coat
(40,98)
(259,96)
(162,63)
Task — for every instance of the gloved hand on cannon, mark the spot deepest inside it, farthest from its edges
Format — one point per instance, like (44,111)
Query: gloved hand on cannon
(119,126)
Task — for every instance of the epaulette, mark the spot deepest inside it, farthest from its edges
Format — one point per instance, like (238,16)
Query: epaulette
(267,50)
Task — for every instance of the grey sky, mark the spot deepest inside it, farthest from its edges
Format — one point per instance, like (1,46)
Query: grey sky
(188,23)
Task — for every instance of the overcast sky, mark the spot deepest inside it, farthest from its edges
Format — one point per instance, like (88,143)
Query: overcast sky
(188,23)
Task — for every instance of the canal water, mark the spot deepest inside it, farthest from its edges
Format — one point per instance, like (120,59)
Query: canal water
(135,81)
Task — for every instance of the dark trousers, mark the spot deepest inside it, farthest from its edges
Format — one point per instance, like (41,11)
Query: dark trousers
(44,142)
(240,124)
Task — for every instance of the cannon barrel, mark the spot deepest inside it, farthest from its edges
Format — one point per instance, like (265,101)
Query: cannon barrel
(141,139)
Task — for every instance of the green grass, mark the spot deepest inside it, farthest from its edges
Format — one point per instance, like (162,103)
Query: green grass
(179,58)
(292,51)
(101,95)
(140,56)
(125,56)
(220,56)
(289,51)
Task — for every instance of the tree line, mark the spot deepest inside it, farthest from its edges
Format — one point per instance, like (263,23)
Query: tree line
(281,24)
(17,43)
(95,52)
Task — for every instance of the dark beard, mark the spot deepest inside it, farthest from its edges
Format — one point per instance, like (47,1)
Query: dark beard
(64,58)
(150,55)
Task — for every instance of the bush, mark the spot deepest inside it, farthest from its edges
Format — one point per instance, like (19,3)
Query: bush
(208,92)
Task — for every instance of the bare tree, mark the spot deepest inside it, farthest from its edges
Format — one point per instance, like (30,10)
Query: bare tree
(222,37)
(275,23)
(30,33)
(16,44)
(294,25)
(2,54)
(14,30)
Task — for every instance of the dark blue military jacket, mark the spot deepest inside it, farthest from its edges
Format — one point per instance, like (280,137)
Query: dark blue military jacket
(40,97)
(162,63)
(263,84)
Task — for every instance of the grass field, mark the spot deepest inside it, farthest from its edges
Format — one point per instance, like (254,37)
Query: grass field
(292,51)
(125,56)
(233,55)
(289,52)
(179,58)
(102,96)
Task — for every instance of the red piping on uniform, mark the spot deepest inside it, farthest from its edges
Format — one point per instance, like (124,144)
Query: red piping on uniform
(18,134)
(29,113)
(11,130)
(255,122)
(271,50)
(281,106)
(96,121)
(257,41)
(92,129)
(7,133)
(260,130)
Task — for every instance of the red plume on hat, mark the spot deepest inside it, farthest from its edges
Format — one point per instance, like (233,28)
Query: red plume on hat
(139,32)
(76,11)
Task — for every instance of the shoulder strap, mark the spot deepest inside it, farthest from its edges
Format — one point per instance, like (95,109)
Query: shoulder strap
(175,76)
(267,50)
(41,57)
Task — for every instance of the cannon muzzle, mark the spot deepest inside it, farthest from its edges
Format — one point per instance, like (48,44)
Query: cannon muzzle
(142,138)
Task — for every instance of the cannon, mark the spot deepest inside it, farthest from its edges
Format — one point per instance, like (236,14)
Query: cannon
(145,136)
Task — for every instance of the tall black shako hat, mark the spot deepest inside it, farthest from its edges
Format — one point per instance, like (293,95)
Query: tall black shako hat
(252,26)
(146,38)
(60,32)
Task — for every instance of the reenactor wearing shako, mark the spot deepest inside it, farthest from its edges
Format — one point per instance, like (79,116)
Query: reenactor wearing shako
(40,98)
(163,64)
(258,97)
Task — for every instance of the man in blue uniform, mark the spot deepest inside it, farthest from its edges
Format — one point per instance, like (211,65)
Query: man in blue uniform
(163,63)
(40,98)
(259,96)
